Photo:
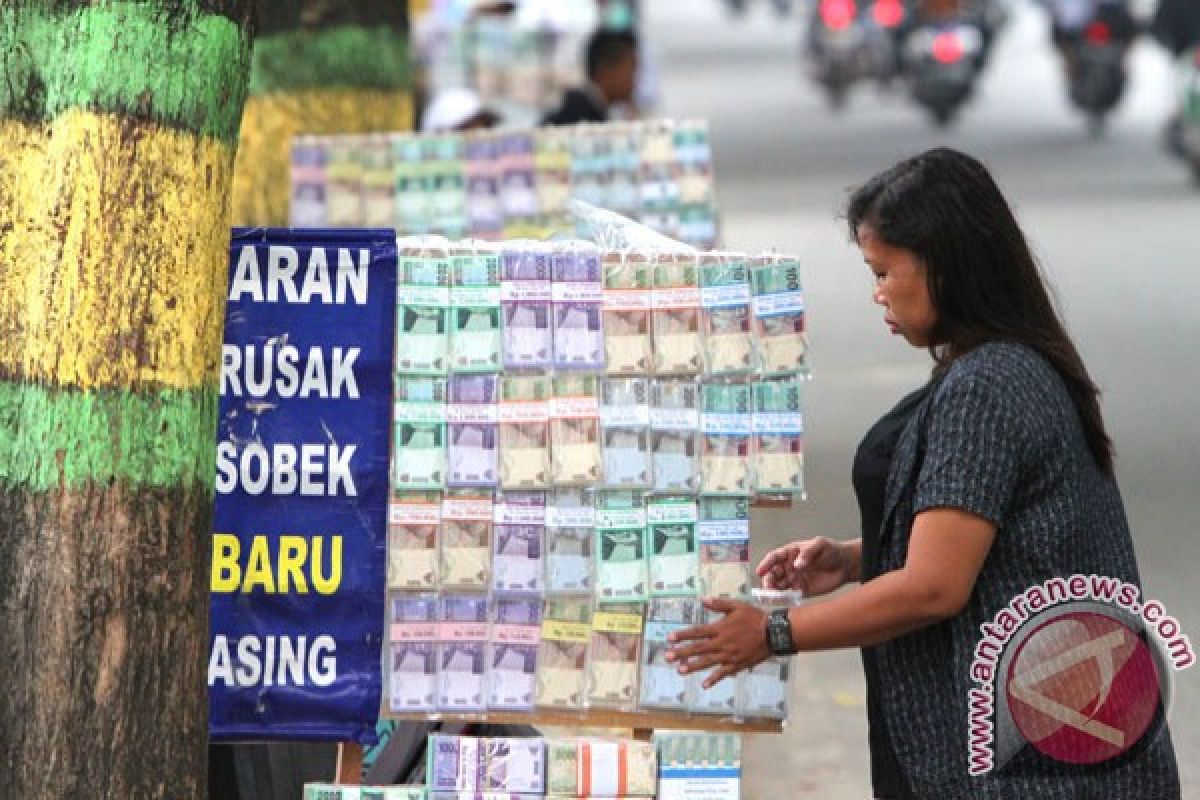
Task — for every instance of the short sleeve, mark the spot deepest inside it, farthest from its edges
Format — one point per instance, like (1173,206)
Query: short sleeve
(973,447)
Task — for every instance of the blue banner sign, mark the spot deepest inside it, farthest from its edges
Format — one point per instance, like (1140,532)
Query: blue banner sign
(300,528)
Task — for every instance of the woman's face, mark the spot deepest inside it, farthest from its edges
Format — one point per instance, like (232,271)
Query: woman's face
(900,287)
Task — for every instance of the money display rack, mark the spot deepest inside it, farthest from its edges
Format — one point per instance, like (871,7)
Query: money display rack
(556,326)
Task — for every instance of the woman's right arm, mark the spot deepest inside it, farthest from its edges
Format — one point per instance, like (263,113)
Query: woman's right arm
(815,566)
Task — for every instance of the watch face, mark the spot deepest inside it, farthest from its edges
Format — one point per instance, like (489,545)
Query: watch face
(779,633)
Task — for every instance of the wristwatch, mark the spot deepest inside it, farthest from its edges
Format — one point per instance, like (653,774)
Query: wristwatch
(779,633)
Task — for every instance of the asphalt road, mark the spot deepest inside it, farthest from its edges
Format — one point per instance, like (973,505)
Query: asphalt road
(1116,226)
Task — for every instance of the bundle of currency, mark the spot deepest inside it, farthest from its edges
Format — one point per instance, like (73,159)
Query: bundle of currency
(453,763)
(728,315)
(575,431)
(625,422)
(628,345)
(518,182)
(591,168)
(513,764)
(414,519)
(309,183)
(675,319)
(728,424)
(334,791)
(621,572)
(445,182)
(419,460)
(524,417)
(512,663)
(671,535)
(674,426)
(466,550)
(721,698)
(662,685)
(578,306)
(476,340)
(724,536)
(485,215)
(472,453)
(552,161)
(526,295)
(379,186)
(517,565)
(600,768)
(779,436)
(562,654)
(410,170)
(779,315)
(343,169)
(764,691)
(462,640)
(699,766)
(412,637)
(613,665)
(422,319)
(570,526)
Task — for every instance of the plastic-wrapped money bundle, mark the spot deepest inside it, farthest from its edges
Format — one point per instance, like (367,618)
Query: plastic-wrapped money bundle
(779,315)
(445,184)
(728,423)
(518,182)
(625,162)
(628,345)
(578,306)
(575,431)
(671,538)
(674,430)
(600,768)
(462,640)
(516,765)
(625,425)
(422,317)
(309,183)
(379,186)
(699,765)
(414,519)
(661,685)
(724,535)
(764,689)
(485,214)
(524,417)
(519,531)
(412,654)
(591,167)
(728,314)
(570,526)
(413,202)
(476,341)
(622,575)
(334,791)
(513,648)
(613,664)
(526,296)
(678,344)
(466,549)
(562,654)
(343,169)
(552,161)
(721,698)
(419,460)
(453,763)
(778,436)
(472,452)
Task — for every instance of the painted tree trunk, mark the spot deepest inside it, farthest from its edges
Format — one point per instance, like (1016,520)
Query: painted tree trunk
(118,127)
(319,67)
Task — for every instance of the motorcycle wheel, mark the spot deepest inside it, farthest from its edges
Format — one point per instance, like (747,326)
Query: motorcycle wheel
(943,117)
(1195,166)
(1097,125)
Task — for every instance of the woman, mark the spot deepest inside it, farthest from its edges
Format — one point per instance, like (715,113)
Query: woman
(995,477)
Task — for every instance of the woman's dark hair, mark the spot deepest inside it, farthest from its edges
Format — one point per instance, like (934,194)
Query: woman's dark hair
(944,207)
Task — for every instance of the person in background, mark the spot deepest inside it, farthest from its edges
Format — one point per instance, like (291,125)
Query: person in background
(611,63)
(1176,26)
(994,477)
(457,110)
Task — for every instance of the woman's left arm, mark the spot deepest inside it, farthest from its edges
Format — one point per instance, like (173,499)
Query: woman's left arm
(945,555)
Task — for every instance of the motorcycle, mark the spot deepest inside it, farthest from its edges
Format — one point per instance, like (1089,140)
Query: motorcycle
(943,61)
(1096,73)
(1189,117)
(849,41)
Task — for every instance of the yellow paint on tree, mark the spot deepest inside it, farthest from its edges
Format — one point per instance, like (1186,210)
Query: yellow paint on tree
(112,227)
(262,182)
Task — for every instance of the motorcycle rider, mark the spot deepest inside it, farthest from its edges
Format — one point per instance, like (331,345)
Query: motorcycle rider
(1176,26)
(1069,20)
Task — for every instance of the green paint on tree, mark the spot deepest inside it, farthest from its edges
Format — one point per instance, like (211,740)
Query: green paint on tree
(52,438)
(180,67)
(347,56)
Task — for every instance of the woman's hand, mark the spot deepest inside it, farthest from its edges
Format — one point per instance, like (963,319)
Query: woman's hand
(814,566)
(733,643)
